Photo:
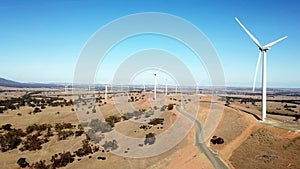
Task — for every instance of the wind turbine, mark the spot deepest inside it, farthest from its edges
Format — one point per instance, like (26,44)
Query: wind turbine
(66,87)
(166,86)
(105,94)
(121,87)
(155,83)
(262,50)
(198,88)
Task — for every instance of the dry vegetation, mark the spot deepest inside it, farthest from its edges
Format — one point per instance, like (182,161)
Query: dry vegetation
(40,129)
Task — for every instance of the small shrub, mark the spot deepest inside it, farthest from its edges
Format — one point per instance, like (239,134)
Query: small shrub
(22,162)
(111,120)
(156,121)
(149,139)
(170,107)
(101,158)
(110,145)
(63,160)
(39,165)
(6,127)
(37,110)
(85,150)
(11,139)
(217,140)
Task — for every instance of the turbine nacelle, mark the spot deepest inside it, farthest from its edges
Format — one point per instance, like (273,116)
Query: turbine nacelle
(264,49)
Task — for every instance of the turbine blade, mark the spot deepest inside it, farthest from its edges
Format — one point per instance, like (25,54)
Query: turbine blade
(256,70)
(156,71)
(250,35)
(269,45)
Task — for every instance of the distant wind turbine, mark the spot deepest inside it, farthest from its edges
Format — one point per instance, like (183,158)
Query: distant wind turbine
(166,86)
(66,87)
(105,94)
(263,50)
(155,83)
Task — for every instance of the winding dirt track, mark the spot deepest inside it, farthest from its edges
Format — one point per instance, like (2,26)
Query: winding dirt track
(214,158)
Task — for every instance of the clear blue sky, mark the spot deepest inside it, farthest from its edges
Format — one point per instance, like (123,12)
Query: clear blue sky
(41,40)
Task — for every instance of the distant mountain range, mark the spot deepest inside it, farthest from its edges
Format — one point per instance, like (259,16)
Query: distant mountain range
(10,83)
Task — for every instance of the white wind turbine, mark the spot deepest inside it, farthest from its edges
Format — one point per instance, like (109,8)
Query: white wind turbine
(144,86)
(155,81)
(155,84)
(105,94)
(121,87)
(166,86)
(66,87)
(263,50)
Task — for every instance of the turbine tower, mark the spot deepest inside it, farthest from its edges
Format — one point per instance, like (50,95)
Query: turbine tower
(166,86)
(105,94)
(263,51)
(155,83)
(66,87)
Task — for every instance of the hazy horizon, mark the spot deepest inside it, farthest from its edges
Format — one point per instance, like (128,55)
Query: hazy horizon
(42,41)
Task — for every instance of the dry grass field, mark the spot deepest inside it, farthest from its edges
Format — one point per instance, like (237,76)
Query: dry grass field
(58,129)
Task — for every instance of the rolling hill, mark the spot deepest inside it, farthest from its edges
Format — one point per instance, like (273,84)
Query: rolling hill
(10,83)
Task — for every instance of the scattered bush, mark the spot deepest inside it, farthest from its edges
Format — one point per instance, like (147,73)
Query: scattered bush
(85,150)
(37,127)
(149,139)
(79,133)
(63,160)
(97,125)
(32,143)
(22,162)
(170,106)
(127,116)
(37,110)
(94,110)
(96,137)
(6,127)
(39,165)
(110,145)
(63,134)
(101,158)
(217,140)
(61,126)
(156,121)
(111,120)
(11,139)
